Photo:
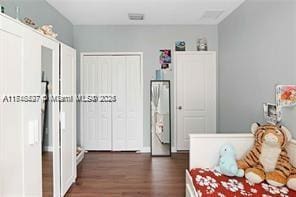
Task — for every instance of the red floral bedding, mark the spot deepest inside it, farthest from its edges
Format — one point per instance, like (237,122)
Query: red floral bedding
(210,183)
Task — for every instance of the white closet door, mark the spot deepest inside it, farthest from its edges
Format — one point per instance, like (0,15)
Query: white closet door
(121,77)
(133,82)
(11,138)
(125,111)
(97,116)
(119,89)
(196,95)
(68,117)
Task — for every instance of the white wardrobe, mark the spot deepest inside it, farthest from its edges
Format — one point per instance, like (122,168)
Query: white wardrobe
(115,126)
(20,117)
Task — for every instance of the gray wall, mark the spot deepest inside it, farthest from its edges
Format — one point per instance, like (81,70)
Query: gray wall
(256,52)
(42,13)
(146,39)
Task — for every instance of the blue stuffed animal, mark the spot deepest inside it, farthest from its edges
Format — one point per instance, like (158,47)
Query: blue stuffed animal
(227,162)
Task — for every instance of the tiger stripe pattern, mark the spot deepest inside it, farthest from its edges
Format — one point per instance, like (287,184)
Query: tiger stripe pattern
(268,158)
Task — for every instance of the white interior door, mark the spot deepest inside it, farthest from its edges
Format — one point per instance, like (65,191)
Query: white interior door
(68,117)
(96,116)
(125,113)
(196,95)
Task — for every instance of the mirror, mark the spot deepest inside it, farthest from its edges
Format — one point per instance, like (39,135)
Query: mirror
(160,118)
(46,120)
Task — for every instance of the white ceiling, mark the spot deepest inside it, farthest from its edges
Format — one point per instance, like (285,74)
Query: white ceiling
(157,12)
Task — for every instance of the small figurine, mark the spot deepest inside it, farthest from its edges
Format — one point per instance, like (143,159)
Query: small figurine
(29,22)
(48,31)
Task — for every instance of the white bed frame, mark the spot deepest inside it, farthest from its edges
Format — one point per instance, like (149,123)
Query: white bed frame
(204,152)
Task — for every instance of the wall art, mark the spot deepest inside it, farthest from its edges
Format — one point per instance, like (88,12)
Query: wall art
(286,95)
(180,46)
(165,66)
(165,56)
(272,113)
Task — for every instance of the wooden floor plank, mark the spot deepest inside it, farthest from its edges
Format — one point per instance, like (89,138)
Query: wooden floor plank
(130,175)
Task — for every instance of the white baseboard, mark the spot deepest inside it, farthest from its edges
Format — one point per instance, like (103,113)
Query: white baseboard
(145,149)
(48,148)
(174,149)
(80,157)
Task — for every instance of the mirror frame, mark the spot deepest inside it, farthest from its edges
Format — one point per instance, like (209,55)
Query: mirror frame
(54,46)
(170,119)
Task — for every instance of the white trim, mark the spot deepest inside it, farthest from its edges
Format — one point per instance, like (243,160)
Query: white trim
(110,53)
(174,149)
(79,106)
(190,189)
(80,157)
(222,135)
(175,103)
(145,149)
(141,105)
(48,149)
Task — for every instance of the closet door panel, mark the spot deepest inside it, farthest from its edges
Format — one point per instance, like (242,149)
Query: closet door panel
(11,139)
(119,88)
(68,132)
(132,101)
(104,109)
(125,111)
(89,114)
(32,117)
(97,115)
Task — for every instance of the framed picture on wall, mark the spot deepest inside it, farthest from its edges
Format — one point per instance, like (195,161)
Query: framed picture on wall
(286,95)
(272,113)
(165,56)
(180,46)
(165,66)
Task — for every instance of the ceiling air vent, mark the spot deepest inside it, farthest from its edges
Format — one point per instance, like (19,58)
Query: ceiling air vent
(212,14)
(136,17)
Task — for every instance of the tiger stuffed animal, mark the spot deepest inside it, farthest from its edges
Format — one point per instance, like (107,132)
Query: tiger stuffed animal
(292,180)
(268,159)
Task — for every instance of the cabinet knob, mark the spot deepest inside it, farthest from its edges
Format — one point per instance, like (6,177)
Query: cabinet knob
(180,107)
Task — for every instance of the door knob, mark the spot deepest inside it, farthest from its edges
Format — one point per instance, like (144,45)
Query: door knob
(180,107)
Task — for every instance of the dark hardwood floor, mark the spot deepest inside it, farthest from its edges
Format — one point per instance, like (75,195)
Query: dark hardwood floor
(130,175)
(47,174)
